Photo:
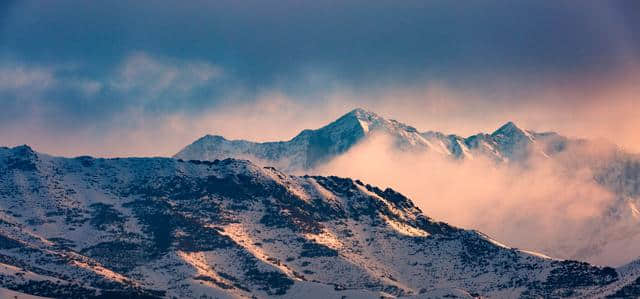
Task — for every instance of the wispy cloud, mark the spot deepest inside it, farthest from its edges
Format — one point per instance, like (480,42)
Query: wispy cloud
(20,77)
(142,74)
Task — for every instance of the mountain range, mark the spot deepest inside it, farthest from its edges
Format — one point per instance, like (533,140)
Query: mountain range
(311,148)
(159,227)
(616,171)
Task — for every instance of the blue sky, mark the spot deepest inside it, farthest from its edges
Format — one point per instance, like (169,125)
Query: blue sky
(93,72)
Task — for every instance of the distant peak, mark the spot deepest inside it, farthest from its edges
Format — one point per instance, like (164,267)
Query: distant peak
(362,113)
(214,136)
(359,110)
(209,138)
(510,124)
(508,128)
(356,118)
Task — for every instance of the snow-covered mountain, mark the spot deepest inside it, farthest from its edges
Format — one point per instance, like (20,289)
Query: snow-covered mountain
(306,150)
(160,227)
(313,147)
(510,145)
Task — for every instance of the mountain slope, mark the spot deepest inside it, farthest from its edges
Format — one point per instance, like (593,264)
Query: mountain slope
(157,227)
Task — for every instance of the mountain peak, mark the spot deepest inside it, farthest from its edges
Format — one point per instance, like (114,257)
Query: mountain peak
(514,142)
(359,117)
(214,137)
(509,128)
(23,147)
(22,157)
(23,150)
(359,110)
(363,114)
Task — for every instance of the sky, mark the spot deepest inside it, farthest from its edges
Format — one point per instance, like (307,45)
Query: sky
(145,78)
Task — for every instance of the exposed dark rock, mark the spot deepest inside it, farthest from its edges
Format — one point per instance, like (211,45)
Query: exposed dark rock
(118,255)
(8,243)
(104,215)
(317,250)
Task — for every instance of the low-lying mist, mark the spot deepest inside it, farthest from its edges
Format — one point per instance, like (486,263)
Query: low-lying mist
(540,205)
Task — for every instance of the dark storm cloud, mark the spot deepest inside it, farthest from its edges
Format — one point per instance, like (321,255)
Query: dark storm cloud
(262,41)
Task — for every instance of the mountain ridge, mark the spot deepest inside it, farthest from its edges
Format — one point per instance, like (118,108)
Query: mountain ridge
(159,227)
(509,146)
(311,148)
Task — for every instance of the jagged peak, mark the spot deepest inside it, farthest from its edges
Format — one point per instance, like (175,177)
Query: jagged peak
(358,117)
(371,119)
(509,128)
(362,114)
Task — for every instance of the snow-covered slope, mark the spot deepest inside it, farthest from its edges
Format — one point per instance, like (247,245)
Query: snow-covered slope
(6,293)
(158,227)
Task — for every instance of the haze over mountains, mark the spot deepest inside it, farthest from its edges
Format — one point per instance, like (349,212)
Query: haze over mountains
(160,227)
(569,198)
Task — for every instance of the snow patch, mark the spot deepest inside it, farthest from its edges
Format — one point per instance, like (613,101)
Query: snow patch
(404,229)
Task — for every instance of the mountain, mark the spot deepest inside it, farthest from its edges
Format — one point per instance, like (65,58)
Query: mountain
(508,146)
(157,227)
(311,148)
